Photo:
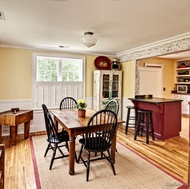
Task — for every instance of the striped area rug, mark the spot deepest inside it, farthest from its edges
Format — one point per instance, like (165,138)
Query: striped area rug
(132,171)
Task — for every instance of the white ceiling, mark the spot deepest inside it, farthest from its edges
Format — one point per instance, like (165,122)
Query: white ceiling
(118,25)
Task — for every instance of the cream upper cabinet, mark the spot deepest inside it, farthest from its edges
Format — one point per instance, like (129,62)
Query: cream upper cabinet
(107,85)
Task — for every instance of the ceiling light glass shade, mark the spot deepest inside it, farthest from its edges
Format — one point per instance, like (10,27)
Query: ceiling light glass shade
(88,39)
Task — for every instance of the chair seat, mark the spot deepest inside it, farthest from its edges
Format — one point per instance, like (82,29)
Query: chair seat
(88,143)
(62,137)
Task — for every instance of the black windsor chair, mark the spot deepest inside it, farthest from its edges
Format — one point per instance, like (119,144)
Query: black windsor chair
(113,105)
(99,139)
(68,103)
(54,137)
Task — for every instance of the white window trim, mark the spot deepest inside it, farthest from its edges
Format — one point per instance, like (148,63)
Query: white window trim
(34,96)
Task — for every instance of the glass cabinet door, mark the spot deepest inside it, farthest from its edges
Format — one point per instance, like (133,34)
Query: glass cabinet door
(105,85)
(115,86)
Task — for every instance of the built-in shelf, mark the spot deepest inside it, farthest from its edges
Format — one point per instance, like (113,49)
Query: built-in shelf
(179,69)
(187,83)
(183,72)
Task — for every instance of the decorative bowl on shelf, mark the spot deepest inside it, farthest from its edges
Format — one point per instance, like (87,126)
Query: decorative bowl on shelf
(181,66)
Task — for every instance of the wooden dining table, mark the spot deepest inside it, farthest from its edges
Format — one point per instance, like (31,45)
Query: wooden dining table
(76,125)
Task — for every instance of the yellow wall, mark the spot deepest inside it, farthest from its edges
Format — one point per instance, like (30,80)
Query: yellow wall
(129,76)
(89,75)
(168,80)
(16,72)
(128,85)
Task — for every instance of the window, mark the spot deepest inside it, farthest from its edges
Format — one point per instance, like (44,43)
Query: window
(56,78)
(57,69)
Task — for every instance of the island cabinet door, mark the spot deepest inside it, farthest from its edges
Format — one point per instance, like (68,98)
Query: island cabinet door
(167,120)
(172,119)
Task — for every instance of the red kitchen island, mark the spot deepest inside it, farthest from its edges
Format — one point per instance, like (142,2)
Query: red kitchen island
(166,115)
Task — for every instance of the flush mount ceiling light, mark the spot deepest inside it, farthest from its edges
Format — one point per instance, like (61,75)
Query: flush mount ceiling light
(88,39)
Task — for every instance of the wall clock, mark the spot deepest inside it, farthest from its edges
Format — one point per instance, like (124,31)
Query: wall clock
(102,63)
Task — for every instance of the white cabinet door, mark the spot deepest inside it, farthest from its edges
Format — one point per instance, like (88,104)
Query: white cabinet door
(107,85)
(184,104)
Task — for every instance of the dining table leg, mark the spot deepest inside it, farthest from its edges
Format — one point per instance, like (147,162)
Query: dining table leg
(71,155)
(113,147)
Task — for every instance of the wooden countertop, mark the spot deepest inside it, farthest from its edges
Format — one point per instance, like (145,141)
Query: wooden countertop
(156,100)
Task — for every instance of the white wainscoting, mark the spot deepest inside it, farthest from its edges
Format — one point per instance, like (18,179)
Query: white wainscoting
(37,124)
(8,104)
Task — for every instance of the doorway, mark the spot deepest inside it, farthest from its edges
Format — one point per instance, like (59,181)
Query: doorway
(151,80)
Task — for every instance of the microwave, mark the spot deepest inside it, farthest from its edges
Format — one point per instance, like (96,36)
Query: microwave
(182,88)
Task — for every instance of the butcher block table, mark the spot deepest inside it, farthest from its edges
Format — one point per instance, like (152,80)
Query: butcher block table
(13,119)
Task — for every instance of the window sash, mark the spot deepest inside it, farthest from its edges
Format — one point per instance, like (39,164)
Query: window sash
(52,69)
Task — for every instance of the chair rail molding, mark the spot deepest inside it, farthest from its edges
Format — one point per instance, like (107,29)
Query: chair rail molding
(167,46)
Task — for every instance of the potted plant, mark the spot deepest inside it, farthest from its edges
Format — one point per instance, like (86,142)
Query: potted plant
(81,107)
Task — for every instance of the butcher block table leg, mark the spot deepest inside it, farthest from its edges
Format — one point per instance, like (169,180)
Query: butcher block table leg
(13,134)
(26,129)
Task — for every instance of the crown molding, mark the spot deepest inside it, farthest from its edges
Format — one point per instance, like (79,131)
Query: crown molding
(70,51)
(167,46)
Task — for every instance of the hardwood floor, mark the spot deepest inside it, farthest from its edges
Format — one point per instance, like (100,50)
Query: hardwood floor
(171,155)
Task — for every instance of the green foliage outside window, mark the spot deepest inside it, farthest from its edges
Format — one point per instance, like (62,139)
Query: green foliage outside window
(59,69)
(47,70)
(70,70)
